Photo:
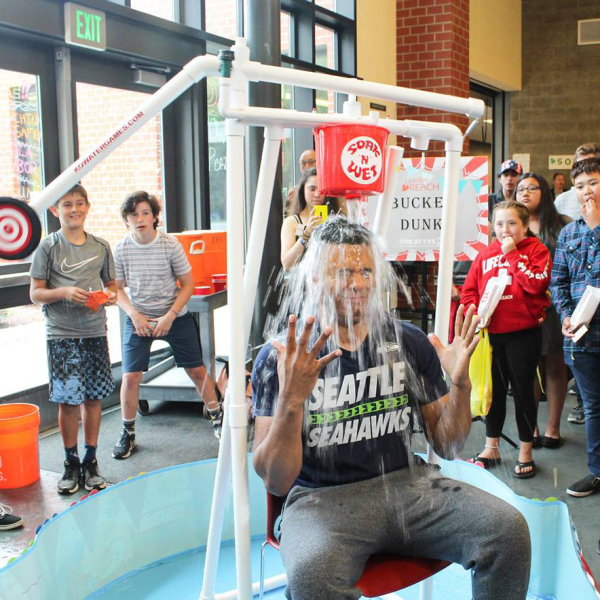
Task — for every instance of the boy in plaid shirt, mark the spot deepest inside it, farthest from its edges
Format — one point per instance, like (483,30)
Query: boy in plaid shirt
(577,265)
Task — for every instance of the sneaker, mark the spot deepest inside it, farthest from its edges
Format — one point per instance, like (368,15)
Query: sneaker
(217,422)
(125,446)
(90,476)
(8,520)
(587,486)
(69,483)
(576,415)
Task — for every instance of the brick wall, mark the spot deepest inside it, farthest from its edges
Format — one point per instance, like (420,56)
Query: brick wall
(135,165)
(557,109)
(433,55)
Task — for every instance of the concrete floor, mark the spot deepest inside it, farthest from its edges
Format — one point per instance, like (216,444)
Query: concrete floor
(556,470)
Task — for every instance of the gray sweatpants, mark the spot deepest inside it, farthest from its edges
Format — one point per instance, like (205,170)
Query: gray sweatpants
(329,533)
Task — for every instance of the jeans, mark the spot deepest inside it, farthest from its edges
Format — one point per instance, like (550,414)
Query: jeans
(585,367)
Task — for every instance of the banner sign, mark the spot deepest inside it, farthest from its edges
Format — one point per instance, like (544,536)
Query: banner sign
(415,226)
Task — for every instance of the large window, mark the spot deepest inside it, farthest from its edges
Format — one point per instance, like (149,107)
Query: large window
(21,161)
(21,158)
(164,9)
(287,145)
(217,157)
(221,17)
(136,165)
(286,34)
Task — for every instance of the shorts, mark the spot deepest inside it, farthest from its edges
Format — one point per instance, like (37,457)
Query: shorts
(183,337)
(79,370)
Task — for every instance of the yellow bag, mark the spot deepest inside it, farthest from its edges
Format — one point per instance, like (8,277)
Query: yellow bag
(480,374)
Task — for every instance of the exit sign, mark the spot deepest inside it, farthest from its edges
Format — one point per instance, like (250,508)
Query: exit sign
(560,162)
(85,26)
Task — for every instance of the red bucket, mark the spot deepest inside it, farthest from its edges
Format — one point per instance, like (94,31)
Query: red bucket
(351,159)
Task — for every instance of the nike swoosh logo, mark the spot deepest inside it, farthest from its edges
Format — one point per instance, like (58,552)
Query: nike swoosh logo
(67,268)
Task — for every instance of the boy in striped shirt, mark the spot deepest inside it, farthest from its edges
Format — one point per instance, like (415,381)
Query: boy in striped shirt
(150,263)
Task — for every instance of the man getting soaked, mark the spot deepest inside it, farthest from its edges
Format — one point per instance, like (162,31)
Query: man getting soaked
(335,398)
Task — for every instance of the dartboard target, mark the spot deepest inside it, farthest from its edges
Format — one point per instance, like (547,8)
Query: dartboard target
(20,229)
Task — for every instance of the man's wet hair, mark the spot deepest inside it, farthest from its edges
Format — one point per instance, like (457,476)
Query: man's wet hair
(338,230)
(587,166)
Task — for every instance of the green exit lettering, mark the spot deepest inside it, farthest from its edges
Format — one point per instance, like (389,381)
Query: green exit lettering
(88,26)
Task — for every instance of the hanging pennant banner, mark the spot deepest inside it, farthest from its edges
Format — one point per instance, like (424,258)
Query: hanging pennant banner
(415,224)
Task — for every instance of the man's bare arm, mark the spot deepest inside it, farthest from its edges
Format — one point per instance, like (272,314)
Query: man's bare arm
(448,419)
(278,439)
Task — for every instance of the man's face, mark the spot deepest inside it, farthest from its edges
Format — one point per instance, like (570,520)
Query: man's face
(559,182)
(587,187)
(508,180)
(349,280)
(141,220)
(71,210)
(308,160)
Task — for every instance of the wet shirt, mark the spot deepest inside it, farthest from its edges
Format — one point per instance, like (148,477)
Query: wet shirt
(358,419)
(62,264)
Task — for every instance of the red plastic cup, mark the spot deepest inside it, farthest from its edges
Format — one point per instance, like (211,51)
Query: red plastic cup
(219,281)
(202,290)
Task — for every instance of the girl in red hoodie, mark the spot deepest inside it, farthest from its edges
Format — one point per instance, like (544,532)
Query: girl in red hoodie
(515,332)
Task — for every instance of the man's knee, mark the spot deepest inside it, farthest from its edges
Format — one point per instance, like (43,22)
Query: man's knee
(197,374)
(319,570)
(511,525)
(132,380)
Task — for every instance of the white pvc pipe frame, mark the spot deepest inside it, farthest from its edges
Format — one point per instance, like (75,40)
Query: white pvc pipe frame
(242,284)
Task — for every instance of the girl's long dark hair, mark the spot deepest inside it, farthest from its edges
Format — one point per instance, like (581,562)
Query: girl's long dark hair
(298,201)
(551,222)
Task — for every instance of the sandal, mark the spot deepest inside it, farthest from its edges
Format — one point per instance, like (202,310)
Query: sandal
(488,463)
(552,443)
(537,442)
(524,465)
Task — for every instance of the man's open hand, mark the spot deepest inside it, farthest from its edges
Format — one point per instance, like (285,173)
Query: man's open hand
(455,357)
(298,366)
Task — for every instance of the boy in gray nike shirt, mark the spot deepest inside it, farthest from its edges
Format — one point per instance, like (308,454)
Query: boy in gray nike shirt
(66,268)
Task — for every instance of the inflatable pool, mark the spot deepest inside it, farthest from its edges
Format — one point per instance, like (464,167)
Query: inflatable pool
(146,538)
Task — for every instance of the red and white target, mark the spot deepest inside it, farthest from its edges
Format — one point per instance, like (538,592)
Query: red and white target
(15,230)
(20,229)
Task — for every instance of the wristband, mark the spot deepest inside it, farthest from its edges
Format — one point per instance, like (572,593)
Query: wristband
(171,310)
(301,240)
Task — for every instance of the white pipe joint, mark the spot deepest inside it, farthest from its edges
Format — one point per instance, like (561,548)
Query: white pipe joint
(202,66)
(352,109)
(273,132)
(445,132)
(420,142)
(374,117)
(238,415)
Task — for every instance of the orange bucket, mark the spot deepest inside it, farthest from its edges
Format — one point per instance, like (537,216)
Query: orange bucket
(19,445)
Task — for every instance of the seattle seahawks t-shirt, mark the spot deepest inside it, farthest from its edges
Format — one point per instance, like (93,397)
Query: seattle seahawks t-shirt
(358,419)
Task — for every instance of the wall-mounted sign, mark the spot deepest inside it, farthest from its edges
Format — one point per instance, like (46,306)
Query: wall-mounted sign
(376,106)
(560,162)
(415,225)
(85,26)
